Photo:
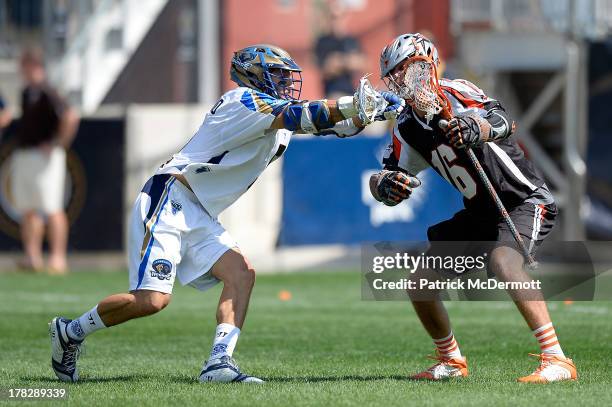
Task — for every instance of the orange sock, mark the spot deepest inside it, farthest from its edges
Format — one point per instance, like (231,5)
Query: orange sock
(448,346)
(547,339)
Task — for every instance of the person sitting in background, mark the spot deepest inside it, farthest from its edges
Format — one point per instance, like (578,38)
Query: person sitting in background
(46,129)
(338,54)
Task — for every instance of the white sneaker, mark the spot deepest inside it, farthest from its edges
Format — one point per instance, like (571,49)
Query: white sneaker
(445,368)
(225,370)
(64,351)
(552,369)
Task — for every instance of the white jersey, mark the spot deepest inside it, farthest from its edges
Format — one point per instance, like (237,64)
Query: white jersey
(231,148)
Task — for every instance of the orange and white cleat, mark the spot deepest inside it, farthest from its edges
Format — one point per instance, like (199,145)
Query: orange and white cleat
(552,369)
(446,368)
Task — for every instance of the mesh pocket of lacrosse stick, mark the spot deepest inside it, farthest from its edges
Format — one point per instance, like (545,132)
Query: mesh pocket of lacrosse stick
(370,101)
(421,88)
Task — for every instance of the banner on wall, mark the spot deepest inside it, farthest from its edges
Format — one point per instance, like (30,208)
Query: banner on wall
(326,196)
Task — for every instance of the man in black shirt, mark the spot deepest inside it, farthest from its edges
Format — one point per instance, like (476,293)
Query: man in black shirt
(46,129)
(339,55)
(422,139)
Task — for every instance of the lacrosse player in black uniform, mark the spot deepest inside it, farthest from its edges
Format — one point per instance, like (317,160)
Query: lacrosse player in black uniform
(422,138)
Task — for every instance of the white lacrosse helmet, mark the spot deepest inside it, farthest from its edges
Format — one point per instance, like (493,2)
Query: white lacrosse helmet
(407,46)
(417,83)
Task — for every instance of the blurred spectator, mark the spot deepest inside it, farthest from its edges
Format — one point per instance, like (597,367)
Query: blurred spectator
(45,131)
(338,53)
(5,115)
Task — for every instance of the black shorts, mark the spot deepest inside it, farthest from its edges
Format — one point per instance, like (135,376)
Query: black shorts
(533,222)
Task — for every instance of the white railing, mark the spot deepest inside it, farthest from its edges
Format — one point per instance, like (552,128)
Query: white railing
(588,18)
(95,57)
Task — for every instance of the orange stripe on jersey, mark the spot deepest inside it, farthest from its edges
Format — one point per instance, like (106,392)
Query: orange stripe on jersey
(543,210)
(467,102)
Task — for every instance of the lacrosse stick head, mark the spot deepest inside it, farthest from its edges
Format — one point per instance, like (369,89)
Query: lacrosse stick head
(369,101)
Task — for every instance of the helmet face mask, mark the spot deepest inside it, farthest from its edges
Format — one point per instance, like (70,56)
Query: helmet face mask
(284,83)
(268,69)
(395,80)
(416,82)
(408,68)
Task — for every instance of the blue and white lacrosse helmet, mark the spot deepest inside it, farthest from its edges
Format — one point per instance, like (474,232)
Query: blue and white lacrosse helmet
(268,69)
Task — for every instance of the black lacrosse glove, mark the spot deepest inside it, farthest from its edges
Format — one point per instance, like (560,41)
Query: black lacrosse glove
(392,187)
(469,130)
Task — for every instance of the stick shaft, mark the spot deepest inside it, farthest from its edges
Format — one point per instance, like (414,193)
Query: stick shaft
(500,207)
(496,199)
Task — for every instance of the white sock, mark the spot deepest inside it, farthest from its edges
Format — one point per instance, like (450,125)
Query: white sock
(448,346)
(547,339)
(225,340)
(86,324)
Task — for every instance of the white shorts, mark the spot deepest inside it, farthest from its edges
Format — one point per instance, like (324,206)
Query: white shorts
(37,179)
(171,235)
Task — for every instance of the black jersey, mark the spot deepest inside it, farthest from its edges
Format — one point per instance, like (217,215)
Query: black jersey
(417,144)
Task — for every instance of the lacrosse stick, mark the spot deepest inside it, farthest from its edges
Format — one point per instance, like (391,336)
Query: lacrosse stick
(422,91)
(368,101)
(532,264)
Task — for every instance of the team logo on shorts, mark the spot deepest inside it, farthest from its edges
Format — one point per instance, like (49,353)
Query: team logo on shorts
(176,207)
(162,269)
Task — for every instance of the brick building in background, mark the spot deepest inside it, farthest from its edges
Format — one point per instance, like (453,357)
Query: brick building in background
(294,25)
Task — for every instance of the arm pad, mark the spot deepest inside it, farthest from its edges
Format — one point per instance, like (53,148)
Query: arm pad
(501,125)
(311,117)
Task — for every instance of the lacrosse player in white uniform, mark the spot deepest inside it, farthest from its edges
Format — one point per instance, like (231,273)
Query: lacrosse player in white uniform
(174,230)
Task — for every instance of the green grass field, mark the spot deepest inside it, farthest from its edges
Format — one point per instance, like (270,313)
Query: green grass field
(325,346)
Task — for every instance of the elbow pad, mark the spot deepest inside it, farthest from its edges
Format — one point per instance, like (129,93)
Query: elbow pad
(311,117)
(501,125)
